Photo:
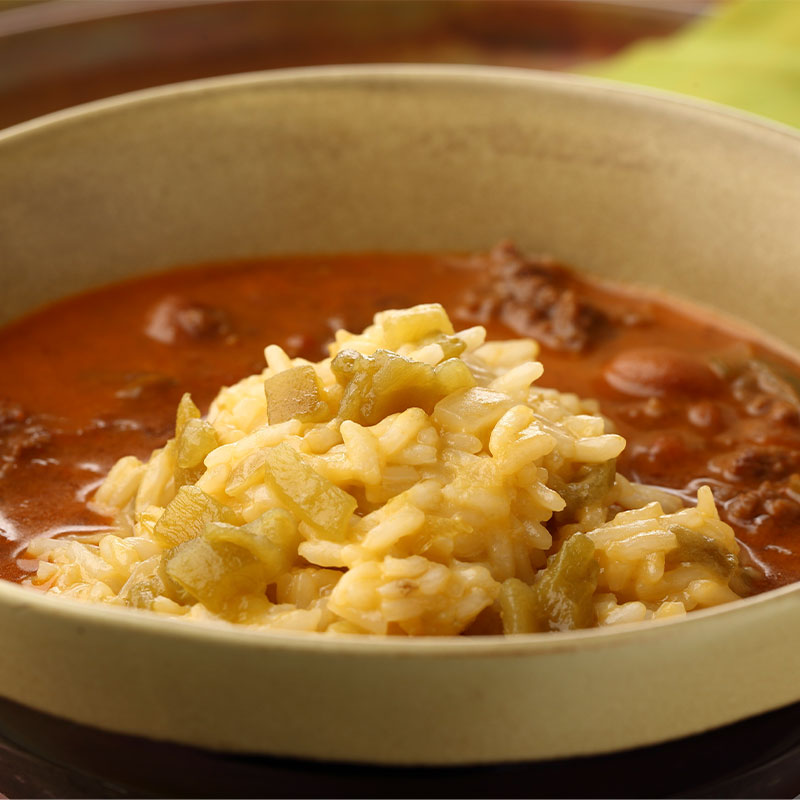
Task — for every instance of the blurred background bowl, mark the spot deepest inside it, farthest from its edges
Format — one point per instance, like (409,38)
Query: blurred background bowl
(58,53)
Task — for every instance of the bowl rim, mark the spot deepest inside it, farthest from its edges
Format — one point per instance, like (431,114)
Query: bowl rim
(359,73)
(70,611)
(28,599)
(24,20)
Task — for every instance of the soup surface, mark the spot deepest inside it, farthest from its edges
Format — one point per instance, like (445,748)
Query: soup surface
(98,376)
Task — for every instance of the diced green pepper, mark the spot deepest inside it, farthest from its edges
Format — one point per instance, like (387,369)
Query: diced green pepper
(453,375)
(187,515)
(694,548)
(565,587)
(309,495)
(224,562)
(295,394)
(248,472)
(518,607)
(272,539)
(194,440)
(187,410)
(197,440)
(143,593)
(452,346)
(382,384)
(591,484)
(215,572)
(386,383)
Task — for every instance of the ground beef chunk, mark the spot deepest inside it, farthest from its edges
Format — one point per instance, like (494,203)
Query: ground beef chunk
(140,384)
(766,391)
(19,433)
(536,298)
(175,319)
(752,462)
(11,414)
(784,413)
(779,502)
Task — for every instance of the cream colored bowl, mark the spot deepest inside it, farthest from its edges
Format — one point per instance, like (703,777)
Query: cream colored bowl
(623,183)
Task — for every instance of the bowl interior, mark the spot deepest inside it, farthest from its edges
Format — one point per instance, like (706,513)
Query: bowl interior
(622,183)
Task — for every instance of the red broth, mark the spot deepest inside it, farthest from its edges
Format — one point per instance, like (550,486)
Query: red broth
(98,376)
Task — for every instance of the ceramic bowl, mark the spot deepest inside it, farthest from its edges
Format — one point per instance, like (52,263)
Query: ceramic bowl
(630,185)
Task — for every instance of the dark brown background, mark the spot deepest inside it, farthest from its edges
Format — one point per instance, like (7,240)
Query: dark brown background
(58,53)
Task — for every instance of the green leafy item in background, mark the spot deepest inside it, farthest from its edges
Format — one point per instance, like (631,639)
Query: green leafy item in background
(747,54)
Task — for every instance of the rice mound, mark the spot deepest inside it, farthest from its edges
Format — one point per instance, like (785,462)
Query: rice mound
(418,481)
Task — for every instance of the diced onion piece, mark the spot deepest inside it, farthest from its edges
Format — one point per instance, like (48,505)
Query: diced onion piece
(412,324)
(472,411)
